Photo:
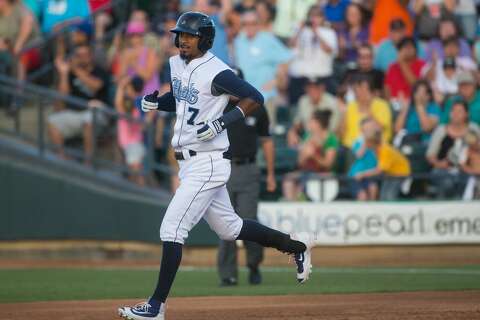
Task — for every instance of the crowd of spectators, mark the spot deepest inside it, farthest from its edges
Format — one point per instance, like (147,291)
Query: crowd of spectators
(374,90)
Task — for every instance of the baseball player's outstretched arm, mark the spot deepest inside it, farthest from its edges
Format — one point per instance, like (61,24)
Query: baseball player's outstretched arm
(153,102)
(226,82)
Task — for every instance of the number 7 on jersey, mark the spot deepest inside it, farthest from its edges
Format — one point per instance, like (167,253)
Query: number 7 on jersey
(194,112)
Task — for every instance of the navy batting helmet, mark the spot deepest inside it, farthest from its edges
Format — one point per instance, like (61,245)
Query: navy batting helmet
(197,24)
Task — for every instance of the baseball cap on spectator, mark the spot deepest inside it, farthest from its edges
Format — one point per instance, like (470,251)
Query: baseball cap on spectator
(85,27)
(158,24)
(465,77)
(397,24)
(137,83)
(449,63)
(135,27)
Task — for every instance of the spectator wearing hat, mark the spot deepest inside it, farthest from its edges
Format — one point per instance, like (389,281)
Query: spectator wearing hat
(386,52)
(314,48)
(384,12)
(138,59)
(151,35)
(82,32)
(467,91)
(445,79)
(402,74)
(443,73)
(80,78)
(315,98)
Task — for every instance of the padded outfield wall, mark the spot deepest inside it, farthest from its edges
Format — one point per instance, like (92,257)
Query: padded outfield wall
(41,204)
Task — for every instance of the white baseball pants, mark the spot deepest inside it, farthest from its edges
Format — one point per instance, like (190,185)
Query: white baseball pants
(202,193)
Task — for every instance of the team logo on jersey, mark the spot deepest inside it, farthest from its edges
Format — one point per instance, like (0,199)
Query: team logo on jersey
(186,93)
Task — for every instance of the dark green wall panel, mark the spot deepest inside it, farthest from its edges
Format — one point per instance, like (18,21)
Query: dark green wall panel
(40,205)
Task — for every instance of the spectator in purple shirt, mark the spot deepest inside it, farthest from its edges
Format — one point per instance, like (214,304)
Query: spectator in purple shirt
(335,12)
(446,29)
(354,34)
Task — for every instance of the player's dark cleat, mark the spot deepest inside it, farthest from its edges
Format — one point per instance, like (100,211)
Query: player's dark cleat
(142,311)
(228,282)
(254,277)
(304,260)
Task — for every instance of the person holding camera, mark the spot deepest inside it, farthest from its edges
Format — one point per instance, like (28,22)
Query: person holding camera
(315,48)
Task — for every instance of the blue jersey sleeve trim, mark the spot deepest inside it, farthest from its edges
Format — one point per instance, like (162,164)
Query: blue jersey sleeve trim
(229,83)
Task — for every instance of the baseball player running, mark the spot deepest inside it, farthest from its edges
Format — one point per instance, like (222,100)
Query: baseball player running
(201,85)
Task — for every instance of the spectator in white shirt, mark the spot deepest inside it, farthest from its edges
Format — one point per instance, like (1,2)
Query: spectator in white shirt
(315,47)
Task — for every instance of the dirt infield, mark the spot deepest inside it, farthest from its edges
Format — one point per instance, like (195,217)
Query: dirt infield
(406,305)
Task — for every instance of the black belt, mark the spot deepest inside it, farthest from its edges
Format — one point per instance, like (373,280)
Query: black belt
(179,155)
(240,161)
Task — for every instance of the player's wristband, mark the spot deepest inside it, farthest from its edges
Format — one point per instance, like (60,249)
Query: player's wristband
(230,117)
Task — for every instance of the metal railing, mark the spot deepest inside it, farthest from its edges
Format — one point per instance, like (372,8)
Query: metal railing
(28,124)
(325,187)
(430,185)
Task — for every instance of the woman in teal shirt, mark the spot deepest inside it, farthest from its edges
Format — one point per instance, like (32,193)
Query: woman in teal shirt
(419,116)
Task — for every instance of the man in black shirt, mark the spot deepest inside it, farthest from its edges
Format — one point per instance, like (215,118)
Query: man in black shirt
(365,67)
(244,188)
(80,78)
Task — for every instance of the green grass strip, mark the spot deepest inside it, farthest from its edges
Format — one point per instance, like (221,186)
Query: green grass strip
(23,285)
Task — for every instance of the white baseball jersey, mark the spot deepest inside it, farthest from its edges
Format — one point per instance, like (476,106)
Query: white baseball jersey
(202,192)
(195,103)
